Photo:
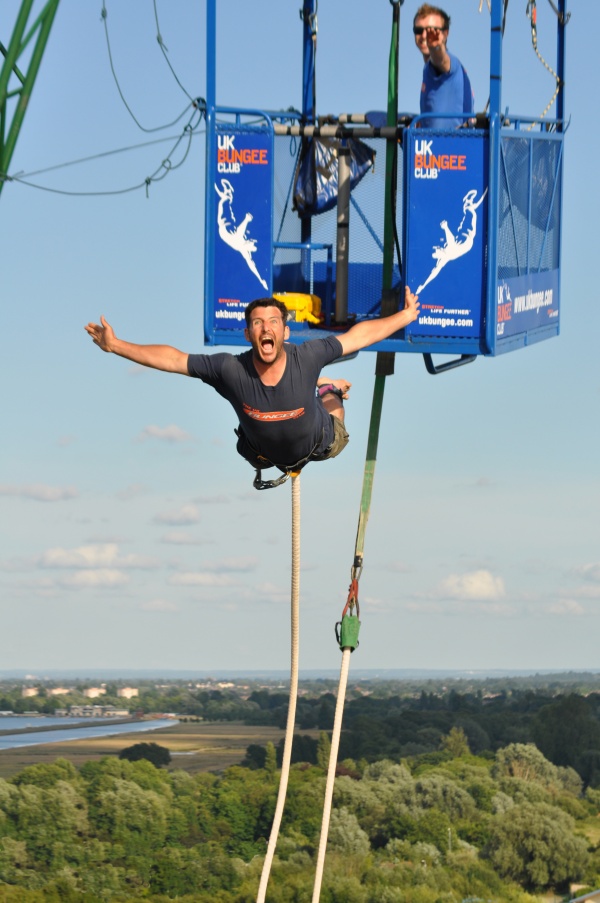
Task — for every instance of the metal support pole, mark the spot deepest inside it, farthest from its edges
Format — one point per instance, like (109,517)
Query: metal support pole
(563,18)
(308,15)
(19,41)
(343,235)
(496,118)
(211,150)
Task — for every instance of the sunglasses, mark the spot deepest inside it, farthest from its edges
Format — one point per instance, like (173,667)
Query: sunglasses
(419,29)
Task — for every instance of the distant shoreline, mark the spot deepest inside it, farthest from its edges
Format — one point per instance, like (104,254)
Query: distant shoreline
(375,674)
(61,727)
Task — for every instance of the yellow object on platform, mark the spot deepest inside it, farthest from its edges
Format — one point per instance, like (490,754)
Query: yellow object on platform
(305,307)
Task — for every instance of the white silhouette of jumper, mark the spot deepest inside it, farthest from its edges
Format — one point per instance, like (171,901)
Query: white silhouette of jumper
(235,236)
(456,245)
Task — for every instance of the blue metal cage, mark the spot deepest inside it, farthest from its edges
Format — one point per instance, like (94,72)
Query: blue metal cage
(478,222)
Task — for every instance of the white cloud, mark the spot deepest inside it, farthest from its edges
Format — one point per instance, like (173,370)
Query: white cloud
(567,607)
(40,492)
(159,605)
(397,567)
(589,572)
(241,564)
(99,555)
(181,538)
(476,585)
(169,433)
(200,578)
(94,579)
(180,517)
(270,592)
(131,492)
(460,607)
(586,592)
(373,605)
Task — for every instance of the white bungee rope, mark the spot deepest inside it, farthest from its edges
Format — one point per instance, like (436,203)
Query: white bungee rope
(333,755)
(291,718)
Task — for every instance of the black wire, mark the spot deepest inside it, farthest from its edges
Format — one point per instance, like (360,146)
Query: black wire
(164,50)
(157,128)
(110,153)
(160,173)
(561,16)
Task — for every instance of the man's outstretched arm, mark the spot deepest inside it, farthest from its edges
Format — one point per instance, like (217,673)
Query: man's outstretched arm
(160,357)
(371,331)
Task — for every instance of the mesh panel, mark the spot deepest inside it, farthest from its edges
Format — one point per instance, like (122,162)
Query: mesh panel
(529,206)
(292,271)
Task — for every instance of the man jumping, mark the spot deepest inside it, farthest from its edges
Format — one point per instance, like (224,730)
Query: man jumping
(288,413)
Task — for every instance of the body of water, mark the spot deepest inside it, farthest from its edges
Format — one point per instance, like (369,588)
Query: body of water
(76,730)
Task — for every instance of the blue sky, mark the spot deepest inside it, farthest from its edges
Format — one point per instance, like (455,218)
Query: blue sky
(131,535)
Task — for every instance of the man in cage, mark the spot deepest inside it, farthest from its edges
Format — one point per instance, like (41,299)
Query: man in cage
(446,87)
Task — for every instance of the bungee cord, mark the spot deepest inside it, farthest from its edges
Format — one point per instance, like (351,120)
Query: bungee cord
(531,13)
(291,718)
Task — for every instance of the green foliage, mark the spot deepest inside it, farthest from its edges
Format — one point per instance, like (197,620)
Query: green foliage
(346,835)
(456,743)
(535,845)
(152,752)
(255,757)
(423,825)
(46,775)
(567,731)
(323,751)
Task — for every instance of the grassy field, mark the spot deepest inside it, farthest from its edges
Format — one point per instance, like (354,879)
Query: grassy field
(194,746)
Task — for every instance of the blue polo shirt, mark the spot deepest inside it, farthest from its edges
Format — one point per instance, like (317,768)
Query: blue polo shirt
(445,92)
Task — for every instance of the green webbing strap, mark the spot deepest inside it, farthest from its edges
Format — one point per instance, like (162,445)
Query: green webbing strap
(391,155)
(367,488)
(389,302)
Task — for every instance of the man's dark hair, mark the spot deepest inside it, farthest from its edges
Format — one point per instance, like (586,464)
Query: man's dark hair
(265,302)
(426,9)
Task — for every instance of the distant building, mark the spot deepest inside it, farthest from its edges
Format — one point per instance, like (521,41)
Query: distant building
(95,711)
(94,692)
(128,692)
(30,691)
(58,691)
(86,711)
(590,895)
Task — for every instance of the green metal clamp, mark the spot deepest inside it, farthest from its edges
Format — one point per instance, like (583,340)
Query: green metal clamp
(346,632)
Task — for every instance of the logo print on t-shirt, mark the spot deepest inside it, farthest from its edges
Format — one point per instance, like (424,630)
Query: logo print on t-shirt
(270,416)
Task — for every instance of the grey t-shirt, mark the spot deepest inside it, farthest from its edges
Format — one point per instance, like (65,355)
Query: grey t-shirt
(287,422)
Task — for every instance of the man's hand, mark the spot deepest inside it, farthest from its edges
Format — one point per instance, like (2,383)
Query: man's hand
(438,55)
(160,357)
(369,332)
(411,305)
(434,37)
(102,335)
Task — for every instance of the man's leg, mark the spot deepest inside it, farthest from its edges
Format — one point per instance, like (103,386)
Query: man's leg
(333,405)
(332,393)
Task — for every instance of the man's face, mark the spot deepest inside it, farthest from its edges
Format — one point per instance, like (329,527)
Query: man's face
(429,22)
(267,333)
